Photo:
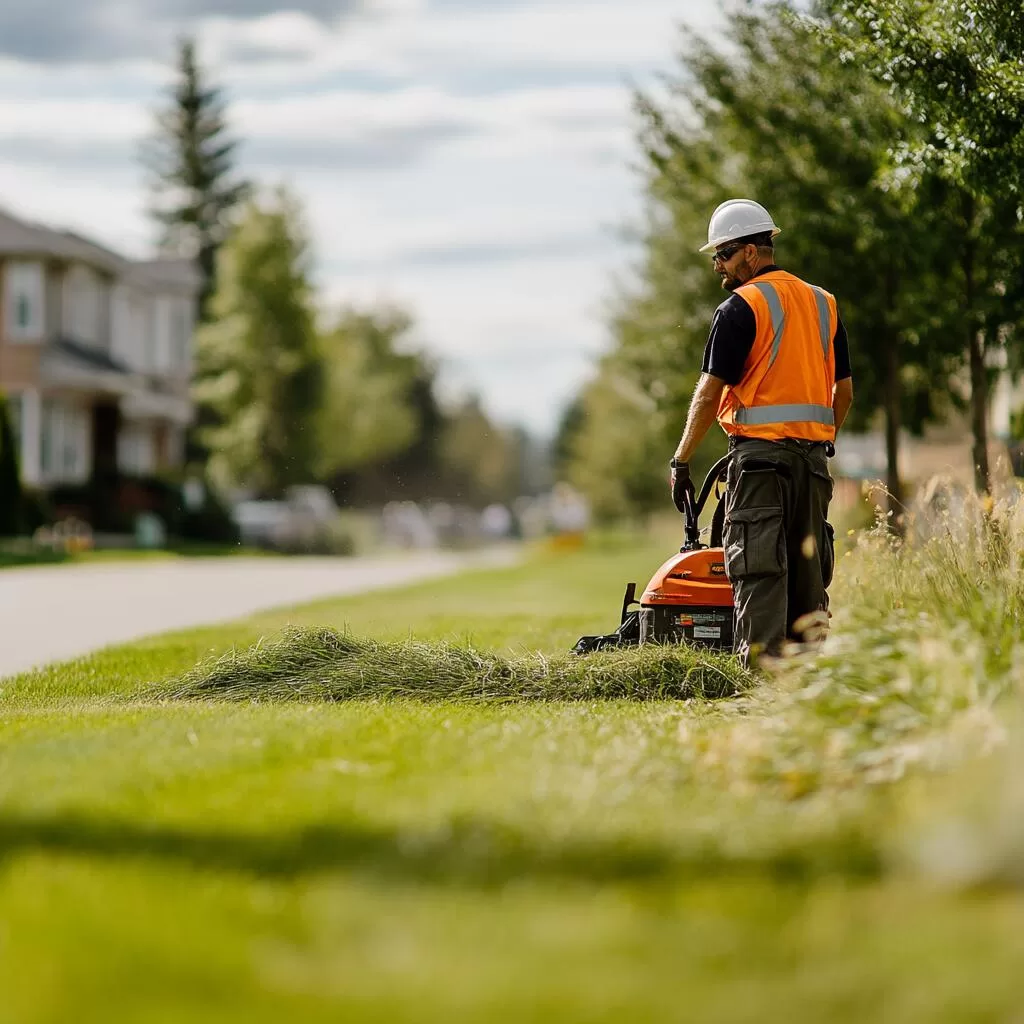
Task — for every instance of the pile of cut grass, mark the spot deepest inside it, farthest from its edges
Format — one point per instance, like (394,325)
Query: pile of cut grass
(322,664)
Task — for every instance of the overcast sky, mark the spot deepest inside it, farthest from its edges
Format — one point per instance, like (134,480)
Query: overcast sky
(466,158)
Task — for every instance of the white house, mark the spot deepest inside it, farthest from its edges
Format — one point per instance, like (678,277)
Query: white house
(95,355)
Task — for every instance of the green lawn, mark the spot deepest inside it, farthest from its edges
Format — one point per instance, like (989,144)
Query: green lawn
(436,861)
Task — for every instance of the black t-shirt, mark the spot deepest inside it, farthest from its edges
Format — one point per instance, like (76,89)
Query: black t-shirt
(732,337)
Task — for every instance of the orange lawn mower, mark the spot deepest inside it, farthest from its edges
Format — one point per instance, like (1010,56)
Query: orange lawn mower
(689,599)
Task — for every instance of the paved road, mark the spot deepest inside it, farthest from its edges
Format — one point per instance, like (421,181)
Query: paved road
(53,613)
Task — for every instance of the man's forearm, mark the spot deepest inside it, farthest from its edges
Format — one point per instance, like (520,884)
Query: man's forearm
(701,416)
(842,399)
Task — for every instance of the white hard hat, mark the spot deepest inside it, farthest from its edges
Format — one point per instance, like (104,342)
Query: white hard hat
(738,218)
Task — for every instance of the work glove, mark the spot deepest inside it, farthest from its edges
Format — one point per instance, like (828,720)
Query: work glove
(682,486)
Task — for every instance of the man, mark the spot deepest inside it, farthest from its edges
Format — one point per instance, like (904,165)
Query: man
(776,374)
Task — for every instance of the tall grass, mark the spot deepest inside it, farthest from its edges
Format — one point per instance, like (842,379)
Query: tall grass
(924,652)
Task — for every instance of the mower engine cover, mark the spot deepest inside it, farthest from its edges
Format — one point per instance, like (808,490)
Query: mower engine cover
(689,599)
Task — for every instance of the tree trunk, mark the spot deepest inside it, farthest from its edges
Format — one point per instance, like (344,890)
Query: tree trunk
(893,421)
(979,410)
(893,405)
(976,351)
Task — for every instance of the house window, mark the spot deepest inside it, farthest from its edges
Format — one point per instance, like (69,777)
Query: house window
(121,341)
(135,349)
(150,337)
(83,295)
(46,438)
(24,298)
(136,450)
(179,336)
(163,348)
(63,442)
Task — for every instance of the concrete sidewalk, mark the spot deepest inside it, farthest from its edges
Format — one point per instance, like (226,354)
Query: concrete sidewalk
(52,613)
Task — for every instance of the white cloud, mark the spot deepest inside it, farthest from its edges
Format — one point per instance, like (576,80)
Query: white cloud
(67,31)
(84,121)
(411,40)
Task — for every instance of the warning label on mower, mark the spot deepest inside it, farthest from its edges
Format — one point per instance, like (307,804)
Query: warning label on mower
(707,632)
(706,619)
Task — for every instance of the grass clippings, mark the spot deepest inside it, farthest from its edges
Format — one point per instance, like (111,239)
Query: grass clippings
(323,664)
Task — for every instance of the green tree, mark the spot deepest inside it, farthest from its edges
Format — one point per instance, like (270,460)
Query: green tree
(958,66)
(811,139)
(10,477)
(479,461)
(191,159)
(260,357)
(570,426)
(616,455)
(414,473)
(368,415)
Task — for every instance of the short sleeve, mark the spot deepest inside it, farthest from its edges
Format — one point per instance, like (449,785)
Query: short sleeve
(733,330)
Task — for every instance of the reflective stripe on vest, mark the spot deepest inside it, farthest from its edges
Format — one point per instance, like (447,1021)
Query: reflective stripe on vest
(762,415)
(778,316)
(771,296)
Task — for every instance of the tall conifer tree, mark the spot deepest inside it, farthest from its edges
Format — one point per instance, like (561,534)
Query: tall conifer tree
(194,189)
(191,159)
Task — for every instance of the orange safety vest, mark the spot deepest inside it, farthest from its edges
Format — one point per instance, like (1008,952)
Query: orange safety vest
(787,384)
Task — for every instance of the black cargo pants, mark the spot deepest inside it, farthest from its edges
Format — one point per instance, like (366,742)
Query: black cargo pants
(779,546)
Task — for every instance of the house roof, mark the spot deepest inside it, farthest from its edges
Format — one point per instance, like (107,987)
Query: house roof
(19,237)
(180,273)
(23,238)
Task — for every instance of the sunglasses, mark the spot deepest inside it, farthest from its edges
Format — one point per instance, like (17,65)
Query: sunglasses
(727,252)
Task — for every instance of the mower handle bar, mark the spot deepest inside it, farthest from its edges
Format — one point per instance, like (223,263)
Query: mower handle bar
(695,505)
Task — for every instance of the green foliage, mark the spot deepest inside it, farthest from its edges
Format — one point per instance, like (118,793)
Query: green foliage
(211,523)
(259,358)
(367,416)
(479,461)
(959,66)
(191,162)
(11,498)
(617,453)
(569,426)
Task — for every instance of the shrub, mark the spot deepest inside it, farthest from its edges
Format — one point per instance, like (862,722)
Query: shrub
(10,478)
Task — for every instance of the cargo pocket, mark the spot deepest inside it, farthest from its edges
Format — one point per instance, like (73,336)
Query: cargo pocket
(756,486)
(753,543)
(828,555)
